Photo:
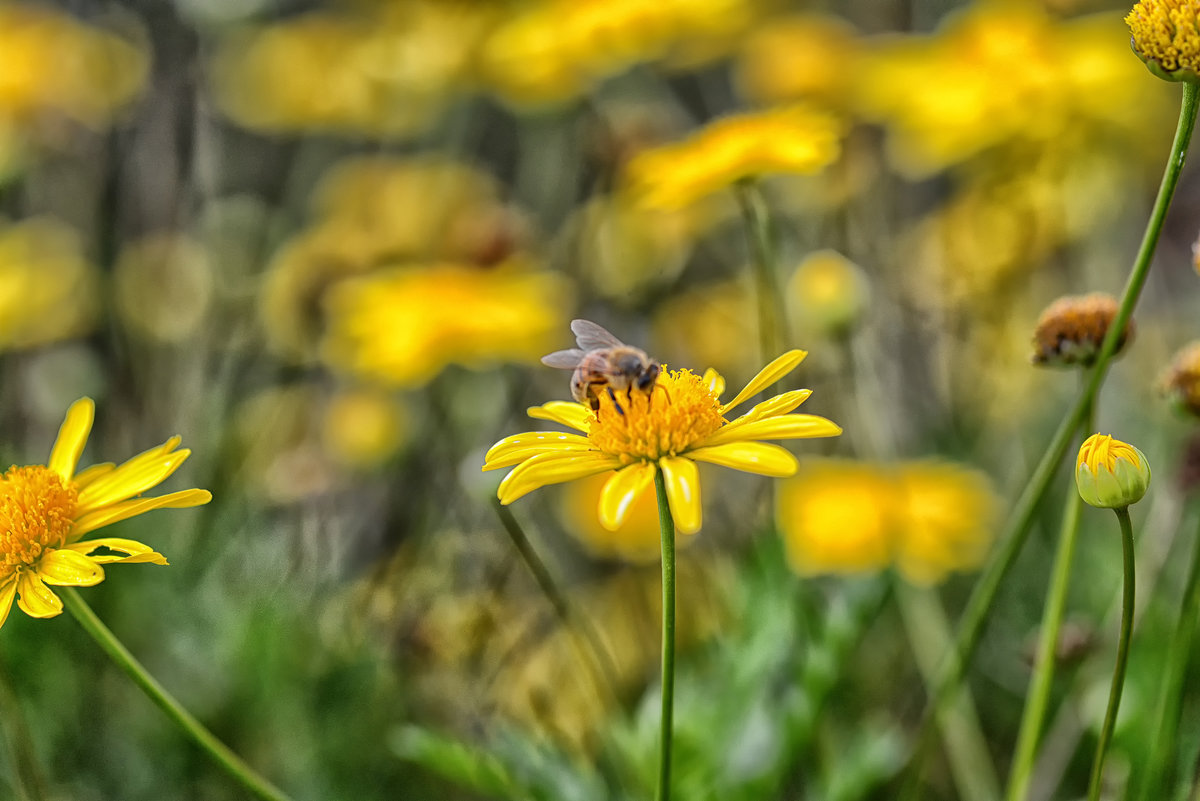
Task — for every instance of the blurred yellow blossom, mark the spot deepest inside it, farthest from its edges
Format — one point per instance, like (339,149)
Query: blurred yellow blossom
(827,293)
(637,539)
(363,427)
(54,65)
(803,57)
(48,291)
(711,324)
(926,518)
(384,73)
(163,286)
(402,325)
(553,50)
(997,72)
(793,139)
(46,510)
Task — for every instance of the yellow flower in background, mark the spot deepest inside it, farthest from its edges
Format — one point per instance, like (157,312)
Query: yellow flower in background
(363,427)
(1111,474)
(401,326)
(46,510)
(638,539)
(712,324)
(669,430)
(48,291)
(926,518)
(1166,36)
(803,57)
(796,139)
(828,293)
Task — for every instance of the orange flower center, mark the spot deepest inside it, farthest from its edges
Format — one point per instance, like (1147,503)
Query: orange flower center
(677,413)
(37,510)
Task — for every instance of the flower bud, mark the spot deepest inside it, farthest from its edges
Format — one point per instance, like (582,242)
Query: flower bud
(1111,474)
(1071,330)
(1166,37)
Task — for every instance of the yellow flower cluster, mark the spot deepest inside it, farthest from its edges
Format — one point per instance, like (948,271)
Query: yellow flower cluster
(384,73)
(53,65)
(554,50)
(801,58)
(794,139)
(1166,35)
(48,291)
(925,518)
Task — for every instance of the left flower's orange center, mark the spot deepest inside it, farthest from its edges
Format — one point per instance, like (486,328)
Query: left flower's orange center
(37,510)
(679,412)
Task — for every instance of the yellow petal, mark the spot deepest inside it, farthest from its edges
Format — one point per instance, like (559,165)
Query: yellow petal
(519,447)
(683,492)
(620,492)
(146,470)
(8,591)
(72,436)
(714,381)
(125,509)
(37,600)
(67,568)
(773,407)
(787,426)
(752,457)
(90,474)
(552,468)
(135,551)
(574,415)
(768,375)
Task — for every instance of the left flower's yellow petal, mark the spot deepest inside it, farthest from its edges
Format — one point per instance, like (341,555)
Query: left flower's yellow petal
(552,468)
(37,600)
(786,426)
(67,568)
(752,457)
(575,415)
(519,447)
(146,470)
(619,493)
(90,474)
(8,593)
(683,492)
(135,552)
(714,381)
(108,515)
(72,436)
(768,375)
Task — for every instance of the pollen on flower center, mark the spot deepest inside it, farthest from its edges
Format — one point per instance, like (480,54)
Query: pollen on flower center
(37,509)
(677,414)
(1167,34)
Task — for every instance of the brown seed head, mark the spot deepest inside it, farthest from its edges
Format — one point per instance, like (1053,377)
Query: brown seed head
(1071,330)
(1181,380)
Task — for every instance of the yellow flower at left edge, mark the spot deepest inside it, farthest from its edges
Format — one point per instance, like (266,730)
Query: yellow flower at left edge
(670,431)
(45,510)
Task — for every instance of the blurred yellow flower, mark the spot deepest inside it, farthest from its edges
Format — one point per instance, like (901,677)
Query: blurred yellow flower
(402,325)
(363,427)
(671,432)
(925,518)
(163,286)
(712,323)
(46,510)
(803,57)
(827,293)
(637,539)
(385,73)
(48,292)
(1166,35)
(795,139)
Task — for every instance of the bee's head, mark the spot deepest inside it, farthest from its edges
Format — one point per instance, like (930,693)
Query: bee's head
(646,379)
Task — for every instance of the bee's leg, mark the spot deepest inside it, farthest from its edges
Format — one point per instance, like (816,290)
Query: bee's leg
(613,397)
(664,389)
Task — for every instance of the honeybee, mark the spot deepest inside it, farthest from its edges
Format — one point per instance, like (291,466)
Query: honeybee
(603,363)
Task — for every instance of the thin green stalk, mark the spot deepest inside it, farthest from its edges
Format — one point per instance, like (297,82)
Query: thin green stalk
(766,269)
(557,598)
(1043,672)
(1118,679)
(1162,765)
(218,751)
(667,526)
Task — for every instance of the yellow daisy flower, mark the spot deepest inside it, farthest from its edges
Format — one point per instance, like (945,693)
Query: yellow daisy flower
(46,509)
(670,431)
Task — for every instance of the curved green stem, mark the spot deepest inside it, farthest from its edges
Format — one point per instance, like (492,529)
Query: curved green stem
(1043,673)
(667,526)
(766,271)
(1162,765)
(1118,679)
(218,751)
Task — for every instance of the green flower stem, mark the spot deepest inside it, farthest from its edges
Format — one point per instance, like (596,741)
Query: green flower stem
(1118,679)
(667,526)
(558,599)
(766,269)
(218,751)
(1043,672)
(1016,532)
(1162,766)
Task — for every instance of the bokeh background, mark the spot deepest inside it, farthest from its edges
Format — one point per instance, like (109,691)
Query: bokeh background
(327,243)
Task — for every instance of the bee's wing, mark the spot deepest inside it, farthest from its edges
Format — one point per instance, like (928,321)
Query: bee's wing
(564,359)
(590,336)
